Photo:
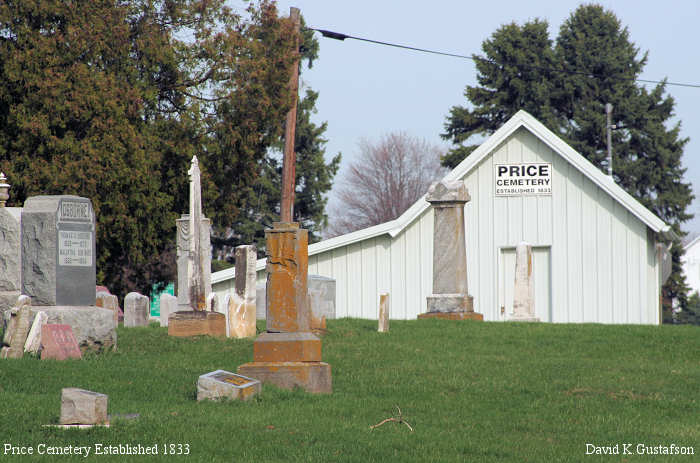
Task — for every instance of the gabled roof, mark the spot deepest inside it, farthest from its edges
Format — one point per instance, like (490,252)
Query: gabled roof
(520,119)
(691,243)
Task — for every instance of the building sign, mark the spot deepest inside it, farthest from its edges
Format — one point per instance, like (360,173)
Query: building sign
(523,179)
(75,248)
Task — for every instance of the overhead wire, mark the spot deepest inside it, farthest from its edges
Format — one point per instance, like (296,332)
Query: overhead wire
(341,36)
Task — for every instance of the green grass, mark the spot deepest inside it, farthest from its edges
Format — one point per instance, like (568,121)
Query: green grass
(487,392)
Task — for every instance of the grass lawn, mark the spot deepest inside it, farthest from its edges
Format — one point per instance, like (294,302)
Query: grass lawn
(486,392)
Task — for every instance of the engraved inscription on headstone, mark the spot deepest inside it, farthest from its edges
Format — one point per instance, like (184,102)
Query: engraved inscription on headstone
(59,343)
(74,248)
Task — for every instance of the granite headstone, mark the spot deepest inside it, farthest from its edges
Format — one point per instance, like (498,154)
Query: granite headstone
(58,251)
(59,343)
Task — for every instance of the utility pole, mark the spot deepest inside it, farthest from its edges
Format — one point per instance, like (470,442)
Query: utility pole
(289,160)
(608,128)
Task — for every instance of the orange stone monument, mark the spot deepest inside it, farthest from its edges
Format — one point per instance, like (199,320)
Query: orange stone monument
(288,354)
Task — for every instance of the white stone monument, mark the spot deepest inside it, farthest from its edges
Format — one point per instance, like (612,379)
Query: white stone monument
(524,289)
(241,306)
(193,250)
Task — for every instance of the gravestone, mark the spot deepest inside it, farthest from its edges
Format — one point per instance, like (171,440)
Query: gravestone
(10,256)
(108,301)
(33,342)
(383,322)
(59,343)
(194,270)
(241,306)
(221,384)
(524,288)
(79,406)
(58,251)
(168,305)
(193,249)
(17,330)
(321,300)
(450,298)
(136,310)
(288,354)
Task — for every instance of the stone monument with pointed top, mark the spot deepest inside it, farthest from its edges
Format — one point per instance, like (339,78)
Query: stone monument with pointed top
(194,269)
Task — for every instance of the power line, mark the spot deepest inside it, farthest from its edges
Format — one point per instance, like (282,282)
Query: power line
(341,36)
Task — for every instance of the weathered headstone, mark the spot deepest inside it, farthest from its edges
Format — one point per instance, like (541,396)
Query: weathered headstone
(322,300)
(108,301)
(288,354)
(524,289)
(17,331)
(221,384)
(168,305)
(58,343)
(194,270)
(136,310)
(79,406)
(58,251)
(450,298)
(33,343)
(10,256)
(193,249)
(383,325)
(241,308)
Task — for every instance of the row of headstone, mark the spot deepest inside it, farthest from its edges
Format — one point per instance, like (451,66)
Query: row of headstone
(48,254)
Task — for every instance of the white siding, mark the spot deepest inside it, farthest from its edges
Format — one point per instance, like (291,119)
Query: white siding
(601,260)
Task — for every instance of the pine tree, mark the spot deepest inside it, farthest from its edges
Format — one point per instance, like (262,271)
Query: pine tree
(514,75)
(593,62)
(110,100)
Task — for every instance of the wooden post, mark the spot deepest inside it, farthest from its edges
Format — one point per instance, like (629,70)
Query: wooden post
(383,313)
(289,160)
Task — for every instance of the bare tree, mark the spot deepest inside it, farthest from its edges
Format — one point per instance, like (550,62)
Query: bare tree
(385,180)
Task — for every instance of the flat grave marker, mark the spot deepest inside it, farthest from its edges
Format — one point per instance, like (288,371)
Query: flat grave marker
(222,384)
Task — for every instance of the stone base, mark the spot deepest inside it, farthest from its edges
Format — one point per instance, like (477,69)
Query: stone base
(196,323)
(450,303)
(287,347)
(523,319)
(453,315)
(314,377)
(93,327)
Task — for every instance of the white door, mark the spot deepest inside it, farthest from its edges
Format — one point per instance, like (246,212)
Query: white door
(541,264)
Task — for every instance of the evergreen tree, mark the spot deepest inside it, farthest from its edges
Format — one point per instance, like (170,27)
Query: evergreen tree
(593,62)
(110,100)
(515,75)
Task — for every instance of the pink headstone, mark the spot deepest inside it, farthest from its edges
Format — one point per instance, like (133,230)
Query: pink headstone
(59,343)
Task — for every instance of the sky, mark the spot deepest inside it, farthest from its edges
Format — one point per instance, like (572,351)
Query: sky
(367,90)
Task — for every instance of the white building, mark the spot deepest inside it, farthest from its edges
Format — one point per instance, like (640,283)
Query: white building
(596,257)
(691,264)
